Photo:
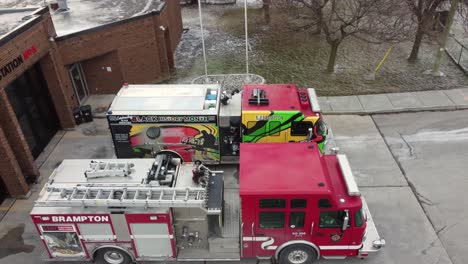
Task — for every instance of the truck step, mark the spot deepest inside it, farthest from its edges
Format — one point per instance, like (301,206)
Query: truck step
(224,245)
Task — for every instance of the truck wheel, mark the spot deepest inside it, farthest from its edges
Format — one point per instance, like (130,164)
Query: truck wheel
(297,254)
(112,256)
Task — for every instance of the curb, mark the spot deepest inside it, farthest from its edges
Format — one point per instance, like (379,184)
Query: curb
(399,110)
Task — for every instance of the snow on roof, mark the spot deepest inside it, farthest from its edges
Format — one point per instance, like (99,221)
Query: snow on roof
(81,14)
(86,14)
(12,19)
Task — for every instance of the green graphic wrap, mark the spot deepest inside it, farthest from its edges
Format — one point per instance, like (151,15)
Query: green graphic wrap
(276,122)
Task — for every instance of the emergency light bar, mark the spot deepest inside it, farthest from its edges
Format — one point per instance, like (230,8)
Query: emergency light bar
(314,104)
(351,185)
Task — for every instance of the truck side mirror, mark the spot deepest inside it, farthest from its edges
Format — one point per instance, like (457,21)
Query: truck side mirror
(345,221)
(311,133)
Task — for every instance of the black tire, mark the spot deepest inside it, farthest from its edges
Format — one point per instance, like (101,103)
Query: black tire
(297,254)
(112,256)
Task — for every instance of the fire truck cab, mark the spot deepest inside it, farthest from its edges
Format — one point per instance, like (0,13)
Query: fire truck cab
(292,203)
(281,113)
(299,205)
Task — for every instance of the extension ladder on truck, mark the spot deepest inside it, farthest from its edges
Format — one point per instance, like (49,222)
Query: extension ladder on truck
(108,169)
(123,196)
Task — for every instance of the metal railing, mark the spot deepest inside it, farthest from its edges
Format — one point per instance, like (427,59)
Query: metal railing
(458,52)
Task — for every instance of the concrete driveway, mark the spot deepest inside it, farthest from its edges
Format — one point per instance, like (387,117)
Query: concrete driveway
(410,168)
(432,149)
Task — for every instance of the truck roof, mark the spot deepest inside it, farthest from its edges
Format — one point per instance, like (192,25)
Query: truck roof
(170,99)
(285,168)
(283,97)
(73,172)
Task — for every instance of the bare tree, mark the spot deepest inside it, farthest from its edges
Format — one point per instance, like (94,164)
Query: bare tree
(266,11)
(371,20)
(423,12)
(463,11)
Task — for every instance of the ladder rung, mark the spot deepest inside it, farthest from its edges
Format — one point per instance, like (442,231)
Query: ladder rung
(124,196)
(72,194)
(98,195)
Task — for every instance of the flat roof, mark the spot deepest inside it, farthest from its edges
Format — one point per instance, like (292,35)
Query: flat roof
(9,21)
(171,99)
(81,14)
(277,168)
(87,14)
(72,172)
(281,97)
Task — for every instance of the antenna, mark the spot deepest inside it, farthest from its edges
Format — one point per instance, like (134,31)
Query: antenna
(246,40)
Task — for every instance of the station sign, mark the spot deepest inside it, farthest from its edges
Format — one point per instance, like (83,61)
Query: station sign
(13,64)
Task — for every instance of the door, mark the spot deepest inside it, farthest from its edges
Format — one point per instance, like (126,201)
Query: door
(34,109)
(152,235)
(79,82)
(299,220)
(62,241)
(328,231)
(270,226)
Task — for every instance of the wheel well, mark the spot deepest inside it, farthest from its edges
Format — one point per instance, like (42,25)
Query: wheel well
(297,243)
(96,250)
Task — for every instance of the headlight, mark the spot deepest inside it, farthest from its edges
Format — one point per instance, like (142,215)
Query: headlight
(380,243)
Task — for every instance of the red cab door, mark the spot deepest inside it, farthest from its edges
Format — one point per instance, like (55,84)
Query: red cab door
(328,233)
(270,226)
(300,220)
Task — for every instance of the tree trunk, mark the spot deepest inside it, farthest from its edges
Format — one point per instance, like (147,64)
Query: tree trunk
(318,28)
(416,44)
(332,57)
(266,11)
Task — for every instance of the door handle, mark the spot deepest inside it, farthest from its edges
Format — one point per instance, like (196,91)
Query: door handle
(319,234)
(312,228)
(252,229)
(262,235)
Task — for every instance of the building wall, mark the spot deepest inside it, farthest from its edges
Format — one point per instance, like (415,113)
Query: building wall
(103,73)
(135,50)
(30,46)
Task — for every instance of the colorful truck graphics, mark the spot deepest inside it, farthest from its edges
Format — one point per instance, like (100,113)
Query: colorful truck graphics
(190,121)
(282,126)
(276,113)
(192,142)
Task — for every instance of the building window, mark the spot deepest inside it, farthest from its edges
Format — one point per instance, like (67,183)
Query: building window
(296,219)
(272,203)
(271,219)
(298,203)
(300,128)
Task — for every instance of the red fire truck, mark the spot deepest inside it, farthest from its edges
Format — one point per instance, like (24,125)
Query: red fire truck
(293,204)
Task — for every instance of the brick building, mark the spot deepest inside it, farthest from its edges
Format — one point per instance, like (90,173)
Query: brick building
(50,61)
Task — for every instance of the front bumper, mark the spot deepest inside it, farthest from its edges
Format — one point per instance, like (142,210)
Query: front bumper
(372,241)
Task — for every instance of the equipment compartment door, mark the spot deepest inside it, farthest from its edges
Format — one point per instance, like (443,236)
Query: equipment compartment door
(152,240)
(62,241)
(152,235)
